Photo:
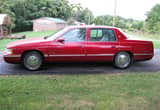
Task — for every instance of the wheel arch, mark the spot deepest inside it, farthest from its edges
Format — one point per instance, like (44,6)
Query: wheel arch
(130,53)
(27,51)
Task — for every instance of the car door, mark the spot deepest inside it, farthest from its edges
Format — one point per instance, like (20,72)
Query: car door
(72,48)
(102,44)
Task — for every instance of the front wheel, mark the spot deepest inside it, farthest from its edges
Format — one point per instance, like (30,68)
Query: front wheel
(32,60)
(122,60)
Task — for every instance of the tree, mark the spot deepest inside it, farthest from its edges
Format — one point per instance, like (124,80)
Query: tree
(103,20)
(83,15)
(28,10)
(5,7)
(121,22)
(87,16)
(153,19)
(138,25)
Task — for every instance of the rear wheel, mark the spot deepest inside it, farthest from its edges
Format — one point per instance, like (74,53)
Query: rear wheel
(122,60)
(32,60)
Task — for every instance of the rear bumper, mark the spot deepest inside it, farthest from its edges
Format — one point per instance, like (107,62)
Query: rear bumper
(11,58)
(143,57)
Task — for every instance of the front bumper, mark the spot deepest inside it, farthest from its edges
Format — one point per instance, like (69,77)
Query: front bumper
(11,58)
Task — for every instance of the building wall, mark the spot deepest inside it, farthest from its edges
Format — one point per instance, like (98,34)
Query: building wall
(60,26)
(46,26)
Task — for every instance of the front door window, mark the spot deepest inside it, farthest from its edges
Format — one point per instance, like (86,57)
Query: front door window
(75,35)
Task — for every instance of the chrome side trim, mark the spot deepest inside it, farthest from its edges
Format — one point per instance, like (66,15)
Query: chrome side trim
(46,55)
(100,55)
(82,55)
(120,46)
(13,55)
(143,54)
(64,55)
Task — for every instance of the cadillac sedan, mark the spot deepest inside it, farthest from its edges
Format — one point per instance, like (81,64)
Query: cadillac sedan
(79,43)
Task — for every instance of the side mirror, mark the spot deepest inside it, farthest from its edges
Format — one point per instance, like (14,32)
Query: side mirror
(61,40)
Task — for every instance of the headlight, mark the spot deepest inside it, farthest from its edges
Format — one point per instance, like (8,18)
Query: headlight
(8,51)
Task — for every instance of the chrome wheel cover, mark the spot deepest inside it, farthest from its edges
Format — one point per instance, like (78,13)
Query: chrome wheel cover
(32,62)
(122,60)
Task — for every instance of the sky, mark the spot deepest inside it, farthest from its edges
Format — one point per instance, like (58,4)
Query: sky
(135,9)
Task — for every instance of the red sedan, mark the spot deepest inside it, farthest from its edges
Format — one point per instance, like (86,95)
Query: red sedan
(79,43)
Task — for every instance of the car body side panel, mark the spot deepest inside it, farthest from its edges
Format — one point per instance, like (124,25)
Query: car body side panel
(141,50)
(70,51)
(81,51)
(101,51)
(19,50)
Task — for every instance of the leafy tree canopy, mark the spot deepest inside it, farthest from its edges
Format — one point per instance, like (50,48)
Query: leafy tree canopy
(28,10)
(153,19)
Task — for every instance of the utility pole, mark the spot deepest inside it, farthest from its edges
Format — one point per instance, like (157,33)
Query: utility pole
(89,19)
(114,15)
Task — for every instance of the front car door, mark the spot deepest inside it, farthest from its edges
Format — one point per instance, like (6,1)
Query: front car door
(102,44)
(73,47)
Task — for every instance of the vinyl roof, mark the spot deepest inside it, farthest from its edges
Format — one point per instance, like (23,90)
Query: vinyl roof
(93,26)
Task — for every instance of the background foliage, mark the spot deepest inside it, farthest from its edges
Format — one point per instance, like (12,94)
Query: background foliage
(23,12)
(153,19)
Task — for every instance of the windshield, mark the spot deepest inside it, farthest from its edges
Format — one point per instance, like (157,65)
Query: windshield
(57,34)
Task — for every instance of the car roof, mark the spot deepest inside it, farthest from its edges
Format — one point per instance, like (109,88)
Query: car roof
(93,26)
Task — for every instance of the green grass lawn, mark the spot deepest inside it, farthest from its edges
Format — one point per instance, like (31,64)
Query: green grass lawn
(134,91)
(156,44)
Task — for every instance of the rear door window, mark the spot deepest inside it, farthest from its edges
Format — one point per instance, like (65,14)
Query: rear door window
(101,34)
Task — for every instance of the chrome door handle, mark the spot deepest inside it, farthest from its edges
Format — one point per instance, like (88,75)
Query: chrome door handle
(114,46)
(81,46)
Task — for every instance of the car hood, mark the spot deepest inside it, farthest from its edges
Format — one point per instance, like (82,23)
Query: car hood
(25,42)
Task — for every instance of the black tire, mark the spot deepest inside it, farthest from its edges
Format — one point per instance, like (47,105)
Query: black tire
(122,60)
(32,60)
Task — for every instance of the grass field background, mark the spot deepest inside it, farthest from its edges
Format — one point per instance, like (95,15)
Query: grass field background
(144,36)
(134,91)
(155,38)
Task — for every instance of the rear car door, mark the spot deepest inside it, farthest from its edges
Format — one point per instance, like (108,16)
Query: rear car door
(102,44)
